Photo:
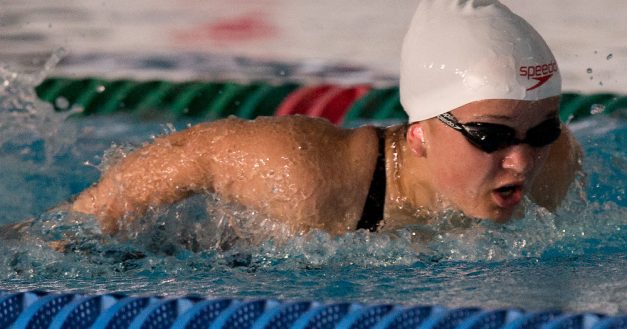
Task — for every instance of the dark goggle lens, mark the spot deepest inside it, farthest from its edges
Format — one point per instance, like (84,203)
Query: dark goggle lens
(544,134)
(491,137)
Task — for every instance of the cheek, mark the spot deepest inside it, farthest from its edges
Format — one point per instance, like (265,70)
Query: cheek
(460,168)
(540,159)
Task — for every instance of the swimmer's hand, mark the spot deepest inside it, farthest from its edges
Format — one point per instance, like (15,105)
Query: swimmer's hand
(15,231)
(26,229)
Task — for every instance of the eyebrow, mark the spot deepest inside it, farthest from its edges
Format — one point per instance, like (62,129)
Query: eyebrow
(492,116)
(505,117)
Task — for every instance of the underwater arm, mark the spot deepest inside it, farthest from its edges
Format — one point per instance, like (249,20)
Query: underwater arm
(160,173)
(559,172)
(14,231)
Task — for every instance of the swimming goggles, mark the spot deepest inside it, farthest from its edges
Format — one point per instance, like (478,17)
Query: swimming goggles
(490,137)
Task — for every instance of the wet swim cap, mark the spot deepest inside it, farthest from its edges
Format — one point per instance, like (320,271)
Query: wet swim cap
(460,51)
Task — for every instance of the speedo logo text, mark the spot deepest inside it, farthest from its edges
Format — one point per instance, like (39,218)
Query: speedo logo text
(540,73)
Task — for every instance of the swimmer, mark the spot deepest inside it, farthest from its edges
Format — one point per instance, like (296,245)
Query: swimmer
(481,89)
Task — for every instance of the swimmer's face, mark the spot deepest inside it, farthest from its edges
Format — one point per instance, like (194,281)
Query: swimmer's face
(482,184)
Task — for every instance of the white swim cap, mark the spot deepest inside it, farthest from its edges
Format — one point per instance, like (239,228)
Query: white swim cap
(460,51)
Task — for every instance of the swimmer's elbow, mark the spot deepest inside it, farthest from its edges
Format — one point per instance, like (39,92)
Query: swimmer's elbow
(106,213)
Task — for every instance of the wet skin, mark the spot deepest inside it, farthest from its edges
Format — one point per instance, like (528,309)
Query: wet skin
(448,171)
(307,173)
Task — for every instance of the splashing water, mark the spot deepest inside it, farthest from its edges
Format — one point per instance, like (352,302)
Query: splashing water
(31,136)
(205,245)
(23,116)
(190,225)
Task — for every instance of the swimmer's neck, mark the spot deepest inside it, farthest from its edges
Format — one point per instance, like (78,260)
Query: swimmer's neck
(409,196)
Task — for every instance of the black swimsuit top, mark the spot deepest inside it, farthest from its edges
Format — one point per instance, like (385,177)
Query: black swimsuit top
(373,208)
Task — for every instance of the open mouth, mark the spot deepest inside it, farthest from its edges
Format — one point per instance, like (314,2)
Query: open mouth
(508,196)
(507,190)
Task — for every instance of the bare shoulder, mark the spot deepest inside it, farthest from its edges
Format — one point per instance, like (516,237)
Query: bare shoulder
(559,171)
(293,135)
(271,127)
(305,171)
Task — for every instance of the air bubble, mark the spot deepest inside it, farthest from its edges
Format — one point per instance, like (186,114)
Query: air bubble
(609,56)
(589,70)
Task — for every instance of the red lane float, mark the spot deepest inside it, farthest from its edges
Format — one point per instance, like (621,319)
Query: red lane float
(301,100)
(334,104)
(327,101)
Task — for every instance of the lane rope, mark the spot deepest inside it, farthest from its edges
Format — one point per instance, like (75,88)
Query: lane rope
(36,309)
(214,100)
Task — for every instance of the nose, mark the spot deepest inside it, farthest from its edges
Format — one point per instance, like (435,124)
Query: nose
(520,159)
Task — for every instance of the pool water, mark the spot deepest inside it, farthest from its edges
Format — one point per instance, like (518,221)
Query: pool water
(574,260)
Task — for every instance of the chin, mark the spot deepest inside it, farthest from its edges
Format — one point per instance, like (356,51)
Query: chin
(498,215)
(502,218)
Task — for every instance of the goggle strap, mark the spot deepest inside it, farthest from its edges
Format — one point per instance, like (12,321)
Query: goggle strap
(450,121)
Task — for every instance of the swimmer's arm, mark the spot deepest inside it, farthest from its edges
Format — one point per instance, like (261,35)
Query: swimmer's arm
(559,172)
(163,172)
(14,231)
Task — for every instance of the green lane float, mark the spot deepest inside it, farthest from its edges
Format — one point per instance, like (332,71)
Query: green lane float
(214,100)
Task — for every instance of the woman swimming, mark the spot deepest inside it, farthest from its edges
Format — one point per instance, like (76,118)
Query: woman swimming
(481,89)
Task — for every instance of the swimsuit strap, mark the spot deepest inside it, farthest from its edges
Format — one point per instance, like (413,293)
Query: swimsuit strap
(373,208)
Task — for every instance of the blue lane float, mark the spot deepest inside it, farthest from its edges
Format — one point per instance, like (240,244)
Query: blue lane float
(35,309)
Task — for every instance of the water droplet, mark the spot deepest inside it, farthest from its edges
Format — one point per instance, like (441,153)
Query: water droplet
(597,109)
(589,70)
(62,103)
(609,56)
(100,88)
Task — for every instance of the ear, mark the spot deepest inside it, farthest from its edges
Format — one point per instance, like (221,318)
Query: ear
(416,139)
